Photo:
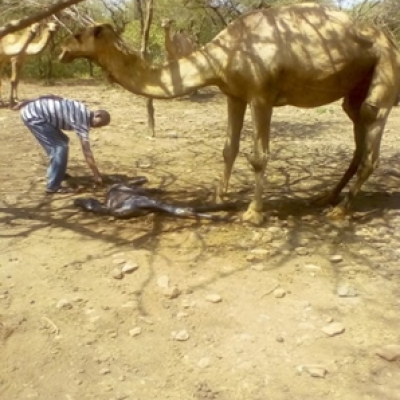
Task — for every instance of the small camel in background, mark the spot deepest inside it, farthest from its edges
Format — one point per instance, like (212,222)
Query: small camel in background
(34,48)
(304,55)
(177,44)
(12,45)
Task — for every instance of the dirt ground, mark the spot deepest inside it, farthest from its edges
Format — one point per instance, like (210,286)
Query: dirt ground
(296,309)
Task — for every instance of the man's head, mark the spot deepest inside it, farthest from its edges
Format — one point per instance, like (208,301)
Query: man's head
(99,118)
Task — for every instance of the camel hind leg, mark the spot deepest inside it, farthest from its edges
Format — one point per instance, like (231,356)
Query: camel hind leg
(369,126)
(236,112)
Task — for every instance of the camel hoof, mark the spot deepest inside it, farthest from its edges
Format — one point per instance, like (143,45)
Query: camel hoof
(337,214)
(253,217)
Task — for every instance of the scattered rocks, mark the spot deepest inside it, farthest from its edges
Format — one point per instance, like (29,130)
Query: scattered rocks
(214,298)
(333,329)
(346,291)
(64,304)
(336,258)
(129,267)
(279,293)
(136,331)
(181,336)
(171,292)
(390,352)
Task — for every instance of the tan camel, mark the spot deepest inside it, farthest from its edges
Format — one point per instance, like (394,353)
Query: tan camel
(12,46)
(177,44)
(303,55)
(33,49)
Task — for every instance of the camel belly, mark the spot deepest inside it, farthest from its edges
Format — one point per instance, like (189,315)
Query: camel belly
(321,87)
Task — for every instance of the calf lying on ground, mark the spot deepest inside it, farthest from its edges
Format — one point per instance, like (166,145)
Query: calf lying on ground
(129,201)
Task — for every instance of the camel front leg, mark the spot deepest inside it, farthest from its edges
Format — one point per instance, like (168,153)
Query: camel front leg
(376,120)
(261,116)
(16,66)
(236,112)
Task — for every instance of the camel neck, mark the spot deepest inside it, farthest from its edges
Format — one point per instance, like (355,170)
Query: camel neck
(173,79)
(36,48)
(20,46)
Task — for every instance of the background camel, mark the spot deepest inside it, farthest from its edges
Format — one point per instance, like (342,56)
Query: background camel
(303,55)
(34,48)
(177,44)
(11,46)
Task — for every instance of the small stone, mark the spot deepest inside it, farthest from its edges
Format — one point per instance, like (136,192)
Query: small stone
(116,273)
(257,267)
(171,292)
(119,261)
(301,251)
(316,371)
(163,281)
(181,336)
(204,362)
(279,293)
(64,304)
(346,291)
(390,352)
(336,258)
(251,257)
(104,371)
(136,331)
(181,315)
(279,339)
(129,267)
(312,267)
(214,298)
(333,329)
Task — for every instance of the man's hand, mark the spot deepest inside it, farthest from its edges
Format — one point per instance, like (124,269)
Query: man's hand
(87,152)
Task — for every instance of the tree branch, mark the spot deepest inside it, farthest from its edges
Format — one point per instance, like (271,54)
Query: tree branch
(22,23)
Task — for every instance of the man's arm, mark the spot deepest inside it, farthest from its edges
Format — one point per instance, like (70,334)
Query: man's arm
(87,152)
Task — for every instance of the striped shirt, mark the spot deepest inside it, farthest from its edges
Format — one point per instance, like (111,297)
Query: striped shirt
(66,114)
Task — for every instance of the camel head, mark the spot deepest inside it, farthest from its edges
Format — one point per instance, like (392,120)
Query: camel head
(166,23)
(89,43)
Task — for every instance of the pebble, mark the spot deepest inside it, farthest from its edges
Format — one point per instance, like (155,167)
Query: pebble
(316,371)
(279,339)
(333,329)
(116,273)
(390,352)
(136,331)
(104,371)
(346,291)
(163,281)
(214,298)
(64,304)
(312,267)
(279,293)
(204,362)
(129,267)
(171,292)
(336,258)
(257,267)
(181,336)
(181,315)
(301,251)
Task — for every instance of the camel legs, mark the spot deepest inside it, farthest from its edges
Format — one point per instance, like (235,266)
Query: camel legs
(236,111)
(353,112)
(16,65)
(369,132)
(261,116)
